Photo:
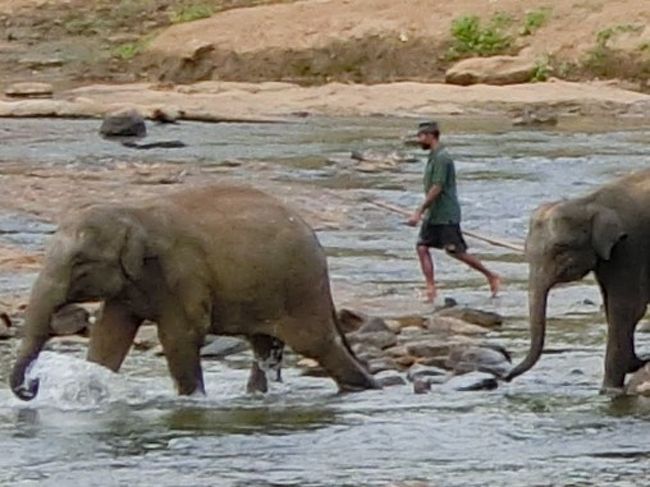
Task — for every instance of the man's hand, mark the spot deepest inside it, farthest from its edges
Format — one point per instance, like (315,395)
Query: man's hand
(415,218)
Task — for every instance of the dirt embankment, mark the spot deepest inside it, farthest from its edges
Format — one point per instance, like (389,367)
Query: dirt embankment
(311,41)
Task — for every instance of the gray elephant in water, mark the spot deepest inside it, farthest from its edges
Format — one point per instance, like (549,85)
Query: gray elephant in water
(608,232)
(219,259)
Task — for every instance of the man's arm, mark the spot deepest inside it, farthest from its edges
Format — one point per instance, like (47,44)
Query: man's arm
(429,200)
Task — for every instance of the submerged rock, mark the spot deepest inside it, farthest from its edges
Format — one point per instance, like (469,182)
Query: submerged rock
(422,385)
(475,381)
(389,378)
(419,371)
(487,358)
(223,346)
(380,339)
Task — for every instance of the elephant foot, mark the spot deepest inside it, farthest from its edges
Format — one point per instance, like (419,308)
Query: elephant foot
(612,392)
(257,381)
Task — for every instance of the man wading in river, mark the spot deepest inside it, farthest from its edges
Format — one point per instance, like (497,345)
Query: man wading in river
(440,213)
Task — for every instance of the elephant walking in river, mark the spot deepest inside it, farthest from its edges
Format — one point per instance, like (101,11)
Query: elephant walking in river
(219,259)
(608,232)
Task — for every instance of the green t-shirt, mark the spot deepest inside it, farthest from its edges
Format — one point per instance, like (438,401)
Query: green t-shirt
(440,170)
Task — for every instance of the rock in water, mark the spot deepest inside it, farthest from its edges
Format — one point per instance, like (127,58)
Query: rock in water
(223,346)
(486,319)
(123,123)
(70,320)
(476,381)
(389,378)
(419,371)
(487,358)
(6,327)
(639,383)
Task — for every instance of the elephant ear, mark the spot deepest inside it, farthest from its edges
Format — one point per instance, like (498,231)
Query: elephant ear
(607,232)
(133,250)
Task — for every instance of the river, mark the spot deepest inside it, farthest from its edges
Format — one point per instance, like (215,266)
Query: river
(550,427)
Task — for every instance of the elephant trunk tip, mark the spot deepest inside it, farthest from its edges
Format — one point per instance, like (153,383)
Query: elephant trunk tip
(522,367)
(28,391)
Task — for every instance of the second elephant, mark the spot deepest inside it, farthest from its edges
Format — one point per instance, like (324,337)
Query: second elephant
(220,259)
(608,232)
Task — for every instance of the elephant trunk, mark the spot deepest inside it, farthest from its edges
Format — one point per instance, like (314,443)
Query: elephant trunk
(537,297)
(47,296)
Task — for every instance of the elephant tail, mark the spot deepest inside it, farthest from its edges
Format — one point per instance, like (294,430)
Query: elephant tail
(356,376)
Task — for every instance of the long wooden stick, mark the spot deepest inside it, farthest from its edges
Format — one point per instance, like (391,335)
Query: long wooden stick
(491,240)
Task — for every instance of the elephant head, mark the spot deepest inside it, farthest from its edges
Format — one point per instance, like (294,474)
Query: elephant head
(565,242)
(93,255)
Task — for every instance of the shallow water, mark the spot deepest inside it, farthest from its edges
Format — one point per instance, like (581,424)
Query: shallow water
(550,427)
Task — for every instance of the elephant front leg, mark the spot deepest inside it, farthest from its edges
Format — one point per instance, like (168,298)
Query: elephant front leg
(181,345)
(112,335)
(268,353)
(620,355)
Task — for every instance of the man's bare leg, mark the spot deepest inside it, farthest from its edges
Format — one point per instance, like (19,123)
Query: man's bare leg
(426,263)
(493,279)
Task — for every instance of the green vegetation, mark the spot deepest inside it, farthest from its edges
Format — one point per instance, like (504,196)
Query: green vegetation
(472,38)
(127,51)
(606,61)
(543,69)
(188,13)
(534,20)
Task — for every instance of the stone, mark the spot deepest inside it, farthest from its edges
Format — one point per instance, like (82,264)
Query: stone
(308,363)
(428,348)
(486,319)
(6,327)
(639,383)
(380,365)
(389,378)
(449,324)
(224,346)
(405,361)
(123,123)
(421,386)
(475,381)
(374,325)
(70,320)
(380,340)
(146,338)
(494,70)
(492,359)
(418,371)
(29,90)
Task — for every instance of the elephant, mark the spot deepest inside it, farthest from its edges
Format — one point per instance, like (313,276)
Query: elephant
(608,232)
(221,259)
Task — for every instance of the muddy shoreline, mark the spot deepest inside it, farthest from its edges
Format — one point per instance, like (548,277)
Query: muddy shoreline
(216,101)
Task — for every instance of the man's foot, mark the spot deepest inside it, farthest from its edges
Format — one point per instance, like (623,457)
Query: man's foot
(495,285)
(431,294)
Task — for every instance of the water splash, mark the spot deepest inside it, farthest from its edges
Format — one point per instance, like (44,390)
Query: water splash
(70,383)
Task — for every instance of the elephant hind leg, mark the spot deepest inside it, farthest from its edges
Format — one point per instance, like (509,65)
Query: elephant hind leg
(323,343)
(112,335)
(268,352)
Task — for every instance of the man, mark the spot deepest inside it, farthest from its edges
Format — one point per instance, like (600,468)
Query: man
(440,213)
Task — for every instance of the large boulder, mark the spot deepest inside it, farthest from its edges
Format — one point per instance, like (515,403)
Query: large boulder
(495,70)
(123,123)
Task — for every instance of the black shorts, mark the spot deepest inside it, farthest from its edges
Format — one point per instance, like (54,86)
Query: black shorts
(448,237)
